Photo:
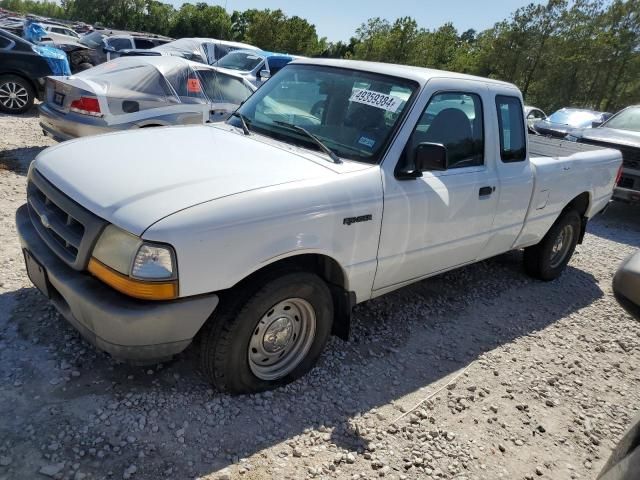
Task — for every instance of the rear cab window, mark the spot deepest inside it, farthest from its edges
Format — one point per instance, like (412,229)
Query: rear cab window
(513,142)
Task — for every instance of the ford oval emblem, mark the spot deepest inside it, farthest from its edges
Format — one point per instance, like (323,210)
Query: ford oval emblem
(45,221)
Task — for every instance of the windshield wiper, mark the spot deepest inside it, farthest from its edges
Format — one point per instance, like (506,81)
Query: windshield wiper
(316,140)
(243,122)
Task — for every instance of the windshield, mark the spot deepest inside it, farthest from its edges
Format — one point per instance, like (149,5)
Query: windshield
(224,88)
(575,118)
(353,113)
(243,61)
(93,40)
(627,119)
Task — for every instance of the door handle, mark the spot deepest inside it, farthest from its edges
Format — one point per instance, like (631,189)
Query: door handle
(486,191)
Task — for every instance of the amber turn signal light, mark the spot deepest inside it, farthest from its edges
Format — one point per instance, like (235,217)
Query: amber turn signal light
(134,288)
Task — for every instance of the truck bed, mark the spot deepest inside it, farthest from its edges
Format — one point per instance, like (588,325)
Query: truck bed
(540,146)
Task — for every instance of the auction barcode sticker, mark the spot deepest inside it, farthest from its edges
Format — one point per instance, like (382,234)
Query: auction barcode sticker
(376,99)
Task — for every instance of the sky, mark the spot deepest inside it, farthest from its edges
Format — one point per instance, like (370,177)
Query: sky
(338,19)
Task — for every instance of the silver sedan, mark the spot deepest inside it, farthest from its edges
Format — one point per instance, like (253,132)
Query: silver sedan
(138,92)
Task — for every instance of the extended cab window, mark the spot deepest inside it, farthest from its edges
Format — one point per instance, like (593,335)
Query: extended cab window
(513,145)
(455,121)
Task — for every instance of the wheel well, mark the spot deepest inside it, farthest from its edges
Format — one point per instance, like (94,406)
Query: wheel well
(23,77)
(326,268)
(580,204)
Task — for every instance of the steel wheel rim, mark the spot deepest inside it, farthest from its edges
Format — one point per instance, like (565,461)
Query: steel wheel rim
(13,95)
(282,338)
(561,246)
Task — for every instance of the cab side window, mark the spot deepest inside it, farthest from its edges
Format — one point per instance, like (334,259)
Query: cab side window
(143,43)
(119,43)
(513,144)
(453,119)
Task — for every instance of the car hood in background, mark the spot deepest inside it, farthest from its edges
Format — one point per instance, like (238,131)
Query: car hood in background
(547,126)
(134,179)
(610,135)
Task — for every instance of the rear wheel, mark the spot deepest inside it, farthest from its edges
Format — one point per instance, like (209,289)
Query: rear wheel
(16,94)
(548,259)
(270,337)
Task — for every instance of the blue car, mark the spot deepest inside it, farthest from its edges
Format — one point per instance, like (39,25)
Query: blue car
(257,66)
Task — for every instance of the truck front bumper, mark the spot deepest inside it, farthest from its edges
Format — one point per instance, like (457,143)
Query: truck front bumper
(138,331)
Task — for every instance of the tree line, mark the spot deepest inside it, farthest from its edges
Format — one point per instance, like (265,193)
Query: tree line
(583,53)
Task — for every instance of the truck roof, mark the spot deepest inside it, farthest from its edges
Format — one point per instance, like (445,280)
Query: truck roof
(419,74)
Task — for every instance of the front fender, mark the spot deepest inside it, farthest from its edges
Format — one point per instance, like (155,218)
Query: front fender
(219,243)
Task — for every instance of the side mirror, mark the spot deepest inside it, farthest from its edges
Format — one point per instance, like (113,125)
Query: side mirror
(595,124)
(265,75)
(130,106)
(430,157)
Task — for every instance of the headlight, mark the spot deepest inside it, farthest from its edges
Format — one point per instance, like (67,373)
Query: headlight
(134,267)
(153,262)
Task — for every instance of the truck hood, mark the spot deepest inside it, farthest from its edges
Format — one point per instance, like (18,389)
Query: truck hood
(611,135)
(134,179)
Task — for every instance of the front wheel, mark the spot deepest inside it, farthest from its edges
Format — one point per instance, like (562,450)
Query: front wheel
(548,259)
(270,337)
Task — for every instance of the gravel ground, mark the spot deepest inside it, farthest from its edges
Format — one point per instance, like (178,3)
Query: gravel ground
(481,373)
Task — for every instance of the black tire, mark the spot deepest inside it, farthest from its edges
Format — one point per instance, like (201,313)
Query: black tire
(226,340)
(84,66)
(541,261)
(23,94)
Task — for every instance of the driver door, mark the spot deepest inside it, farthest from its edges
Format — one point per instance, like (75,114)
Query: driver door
(441,219)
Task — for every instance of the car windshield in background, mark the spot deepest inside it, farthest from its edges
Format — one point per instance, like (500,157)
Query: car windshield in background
(573,118)
(353,113)
(628,119)
(242,61)
(92,40)
(220,87)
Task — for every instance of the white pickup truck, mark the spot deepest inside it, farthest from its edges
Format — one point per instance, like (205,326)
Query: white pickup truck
(336,182)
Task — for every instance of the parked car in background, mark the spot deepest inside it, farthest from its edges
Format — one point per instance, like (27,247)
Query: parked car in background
(137,92)
(102,45)
(23,69)
(533,115)
(626,284)
(257,66)
(203,50)
(260,235)
(562,121)
(59,33)
(622,132)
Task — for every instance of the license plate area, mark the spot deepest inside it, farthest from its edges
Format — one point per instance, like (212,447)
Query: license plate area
(36,272)
(58,98)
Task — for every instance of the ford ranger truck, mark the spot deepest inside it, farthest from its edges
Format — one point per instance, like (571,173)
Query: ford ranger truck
(336,182)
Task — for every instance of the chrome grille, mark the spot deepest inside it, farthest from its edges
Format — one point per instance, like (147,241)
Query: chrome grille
(58,224)
(69,229)
(628,181)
